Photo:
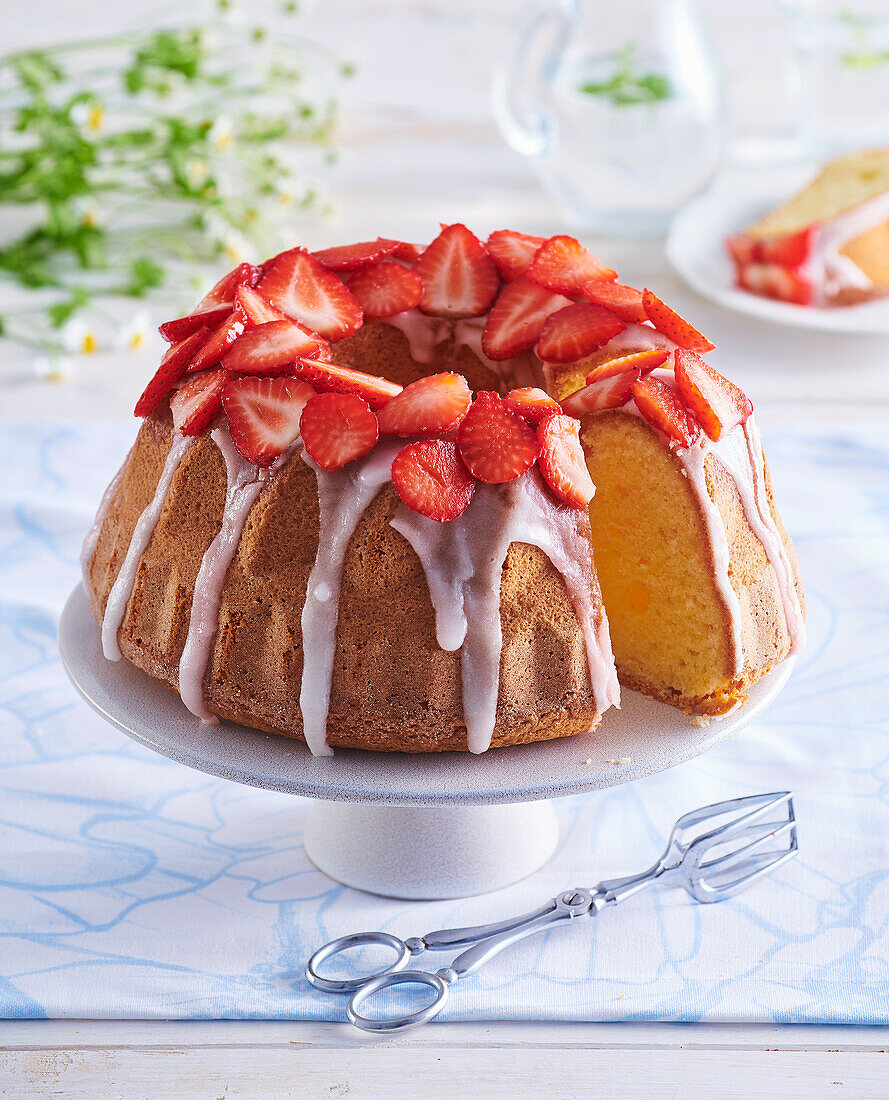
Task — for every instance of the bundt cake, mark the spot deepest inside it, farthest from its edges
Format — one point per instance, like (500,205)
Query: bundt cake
(377,487)
(827,245)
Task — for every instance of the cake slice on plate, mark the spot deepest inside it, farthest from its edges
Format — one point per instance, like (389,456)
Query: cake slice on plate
(829,244)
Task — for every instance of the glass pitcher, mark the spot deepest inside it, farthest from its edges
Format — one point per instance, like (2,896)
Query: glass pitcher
(617,103)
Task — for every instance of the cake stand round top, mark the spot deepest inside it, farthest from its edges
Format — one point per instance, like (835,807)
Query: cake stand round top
(643,737)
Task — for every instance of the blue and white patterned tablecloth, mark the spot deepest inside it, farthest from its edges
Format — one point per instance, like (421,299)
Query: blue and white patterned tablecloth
(131,886)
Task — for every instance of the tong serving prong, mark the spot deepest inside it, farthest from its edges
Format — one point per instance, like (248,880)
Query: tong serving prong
(713,853)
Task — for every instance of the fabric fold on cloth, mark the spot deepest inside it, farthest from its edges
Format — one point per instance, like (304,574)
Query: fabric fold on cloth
(134,887)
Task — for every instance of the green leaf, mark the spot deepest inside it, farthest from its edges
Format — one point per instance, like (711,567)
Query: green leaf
(63,311)
(145,275)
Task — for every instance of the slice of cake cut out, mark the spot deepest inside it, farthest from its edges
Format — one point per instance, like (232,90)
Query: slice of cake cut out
(827,245)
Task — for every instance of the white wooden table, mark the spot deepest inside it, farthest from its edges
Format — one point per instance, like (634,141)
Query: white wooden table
(410,166)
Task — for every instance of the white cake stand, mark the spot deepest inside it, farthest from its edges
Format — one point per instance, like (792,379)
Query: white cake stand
(431,825)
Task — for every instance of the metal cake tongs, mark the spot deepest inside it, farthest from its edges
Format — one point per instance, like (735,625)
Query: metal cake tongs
(713,853)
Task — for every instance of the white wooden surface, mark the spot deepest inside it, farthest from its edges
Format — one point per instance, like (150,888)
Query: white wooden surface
(422,148)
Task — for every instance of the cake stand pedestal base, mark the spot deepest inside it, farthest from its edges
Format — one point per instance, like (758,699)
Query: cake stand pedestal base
(424,853)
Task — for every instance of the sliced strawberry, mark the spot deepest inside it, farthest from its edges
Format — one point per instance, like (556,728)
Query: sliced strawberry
(271,348)
(410,253)
(791,250)
(608,392)
(717,403)
(562,264)
(776,281)
(459,277)
(743,250)
(331,378)
(180,327)
(531,404)
(211,352)
(430,477)
(349,257)
(169,372)
(387,288)
(625,301)
(337,428)
(495,444)
(224,290)
(299,284)
(250,305)
(198,402)
(669,322)
(575,331)
(512,252)
(562,462)
(642,361)
(263,415)
(660,405)
(426,407)
(515,322)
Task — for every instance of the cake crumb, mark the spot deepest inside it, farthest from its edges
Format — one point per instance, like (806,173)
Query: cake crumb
(700,720)
(623,760)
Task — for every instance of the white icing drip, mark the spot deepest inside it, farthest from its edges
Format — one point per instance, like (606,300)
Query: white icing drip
(91,540)
(422,333)
(832,272)
(243,484)
(343,496)
(119,596)
(637,338)
(463,561)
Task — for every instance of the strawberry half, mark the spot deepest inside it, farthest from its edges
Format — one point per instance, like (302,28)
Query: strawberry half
(387,288)
(171,369)
(349,257)
(642,361)
(426,407)
(253,309)
(792,250)
(198,402)
(531,404)
(575,331)
(495,444)
(776,281)
(717,403)
(330,378)
(625,301)
(211,352)
(298,284)
(562,461)
(180,327)
(271,348)
(263,415)
(337,428)
(660,405)
(430,478)
(669,322)
(224,290)
(562,264)
(609,392)
(743,250)
(459,277)
(515,323)
(512,252)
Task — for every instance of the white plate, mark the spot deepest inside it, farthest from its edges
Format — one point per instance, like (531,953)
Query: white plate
(696,250)
(643,737)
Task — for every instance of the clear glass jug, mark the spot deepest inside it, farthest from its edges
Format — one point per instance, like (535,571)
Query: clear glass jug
(617,103)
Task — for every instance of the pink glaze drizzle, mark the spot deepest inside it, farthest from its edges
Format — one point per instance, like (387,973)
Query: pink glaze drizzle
(91,540)
(119,596)
(463,561)
(243,484)
(343,496)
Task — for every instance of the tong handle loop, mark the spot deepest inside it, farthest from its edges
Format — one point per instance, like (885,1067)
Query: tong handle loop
(357,939)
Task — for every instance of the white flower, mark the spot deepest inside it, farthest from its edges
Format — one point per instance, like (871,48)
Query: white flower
(54,368)
(79,337)
(196,171)
(88,116)
(221,133)
(134,335)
